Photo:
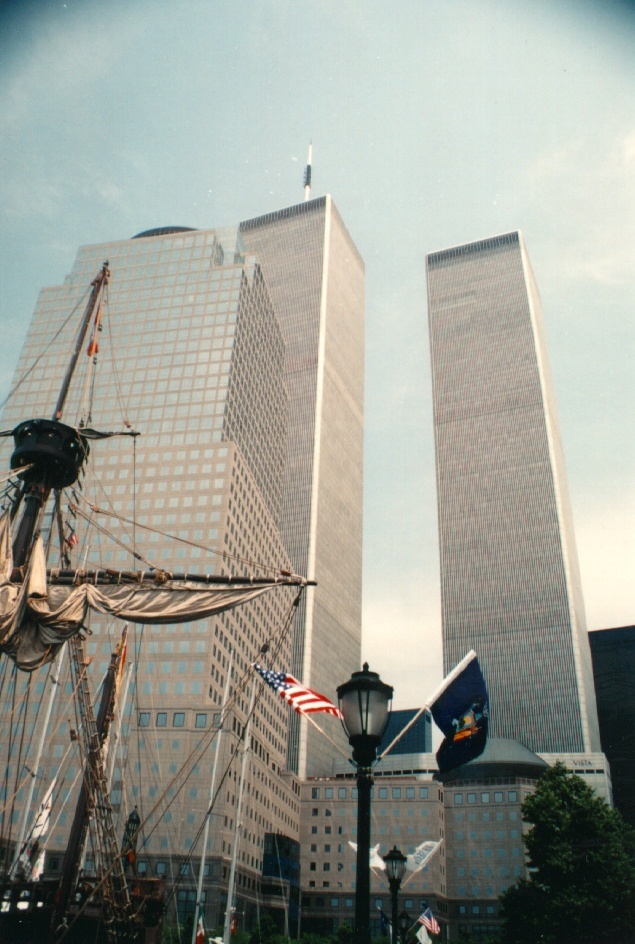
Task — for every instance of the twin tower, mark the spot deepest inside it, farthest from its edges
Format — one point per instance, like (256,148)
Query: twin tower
(200,369)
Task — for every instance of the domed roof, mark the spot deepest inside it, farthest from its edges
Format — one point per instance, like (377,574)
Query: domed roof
(502,757)
(164,231)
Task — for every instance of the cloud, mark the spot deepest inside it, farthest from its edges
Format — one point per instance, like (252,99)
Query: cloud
(605,533)
(586,191)
(402,636)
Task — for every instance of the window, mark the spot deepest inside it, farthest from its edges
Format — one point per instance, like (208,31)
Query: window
(396,793)
(144,719)
(315,795)
(162,719)
(341,792)
(201,720)
(410,793)
(512,796)
(383,793)
(423,793)
(328,793)
(458,799)
(484,797)
(498,797)
(312,866)
(471,798)
(178,719)
(314,811)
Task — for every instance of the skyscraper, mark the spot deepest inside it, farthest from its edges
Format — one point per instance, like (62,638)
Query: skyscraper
(193,352)
(238,354)
(510,582)
(315,277)
(613,654)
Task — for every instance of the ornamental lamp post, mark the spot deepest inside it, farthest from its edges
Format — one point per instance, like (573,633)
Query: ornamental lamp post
(365,705)
(395,869)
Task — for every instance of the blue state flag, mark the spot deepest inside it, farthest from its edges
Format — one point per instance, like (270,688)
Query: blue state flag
(385,923)
(461,710)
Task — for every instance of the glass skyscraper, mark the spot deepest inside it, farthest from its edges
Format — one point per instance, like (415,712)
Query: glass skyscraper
(242,367)
(510,582)
(315,277)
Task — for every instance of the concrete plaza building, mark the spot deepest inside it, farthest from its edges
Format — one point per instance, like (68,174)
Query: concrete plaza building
(510,581)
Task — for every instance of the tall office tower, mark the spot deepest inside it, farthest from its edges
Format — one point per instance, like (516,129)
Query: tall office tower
(613,654)
(193,350)
(316,280)
(510,583)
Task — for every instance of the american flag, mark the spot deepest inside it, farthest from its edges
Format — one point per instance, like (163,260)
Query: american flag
(429,921)
(304,700)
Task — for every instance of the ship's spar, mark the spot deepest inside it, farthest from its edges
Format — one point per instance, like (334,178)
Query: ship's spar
(41,610)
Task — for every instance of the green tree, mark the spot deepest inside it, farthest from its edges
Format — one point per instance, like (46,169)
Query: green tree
(581,857)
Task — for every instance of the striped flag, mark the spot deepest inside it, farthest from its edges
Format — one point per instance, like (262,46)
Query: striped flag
(303,700)
(428,920)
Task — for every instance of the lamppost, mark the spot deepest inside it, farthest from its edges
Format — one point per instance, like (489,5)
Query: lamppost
(395,869)
(365,705)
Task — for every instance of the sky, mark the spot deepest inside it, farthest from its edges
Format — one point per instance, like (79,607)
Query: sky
(434,123)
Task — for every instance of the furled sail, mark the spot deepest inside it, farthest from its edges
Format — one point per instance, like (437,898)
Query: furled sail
(37,617)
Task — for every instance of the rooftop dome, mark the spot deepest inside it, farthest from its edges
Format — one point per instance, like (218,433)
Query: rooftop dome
(164,231)
(502,757)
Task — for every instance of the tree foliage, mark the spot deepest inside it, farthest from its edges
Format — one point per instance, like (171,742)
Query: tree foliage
(581,857)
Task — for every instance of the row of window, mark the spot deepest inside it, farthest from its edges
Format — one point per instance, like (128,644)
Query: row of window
(382,793)
(178,719)
(486,797)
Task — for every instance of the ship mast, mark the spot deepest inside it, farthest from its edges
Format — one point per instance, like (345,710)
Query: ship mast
(53,452)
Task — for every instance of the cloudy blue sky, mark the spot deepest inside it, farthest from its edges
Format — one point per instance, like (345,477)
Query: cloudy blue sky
(434,122)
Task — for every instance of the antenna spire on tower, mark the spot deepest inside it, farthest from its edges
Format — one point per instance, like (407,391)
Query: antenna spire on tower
(307,173)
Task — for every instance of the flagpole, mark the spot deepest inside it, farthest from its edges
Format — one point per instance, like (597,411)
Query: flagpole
(212,789)
(324,734)
(431,700)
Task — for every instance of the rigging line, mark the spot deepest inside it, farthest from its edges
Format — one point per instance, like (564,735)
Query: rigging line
(46,349)
(18,762)
(249,673)
(114,365)
(166,534)
(54,732)
(191,761)
(102,530)
(4,838)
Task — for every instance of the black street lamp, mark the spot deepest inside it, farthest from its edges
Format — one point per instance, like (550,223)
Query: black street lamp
(395,870)
(365,705)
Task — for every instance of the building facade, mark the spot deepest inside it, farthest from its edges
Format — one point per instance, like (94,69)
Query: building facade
(195,357)
(613,652)
(315,278)
(510,582)
(407,810)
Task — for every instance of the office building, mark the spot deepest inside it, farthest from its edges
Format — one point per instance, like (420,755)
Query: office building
(510,582)
(613,653)
(483,833)
(195,356)
(415,737)
(407,810)
(315,278)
